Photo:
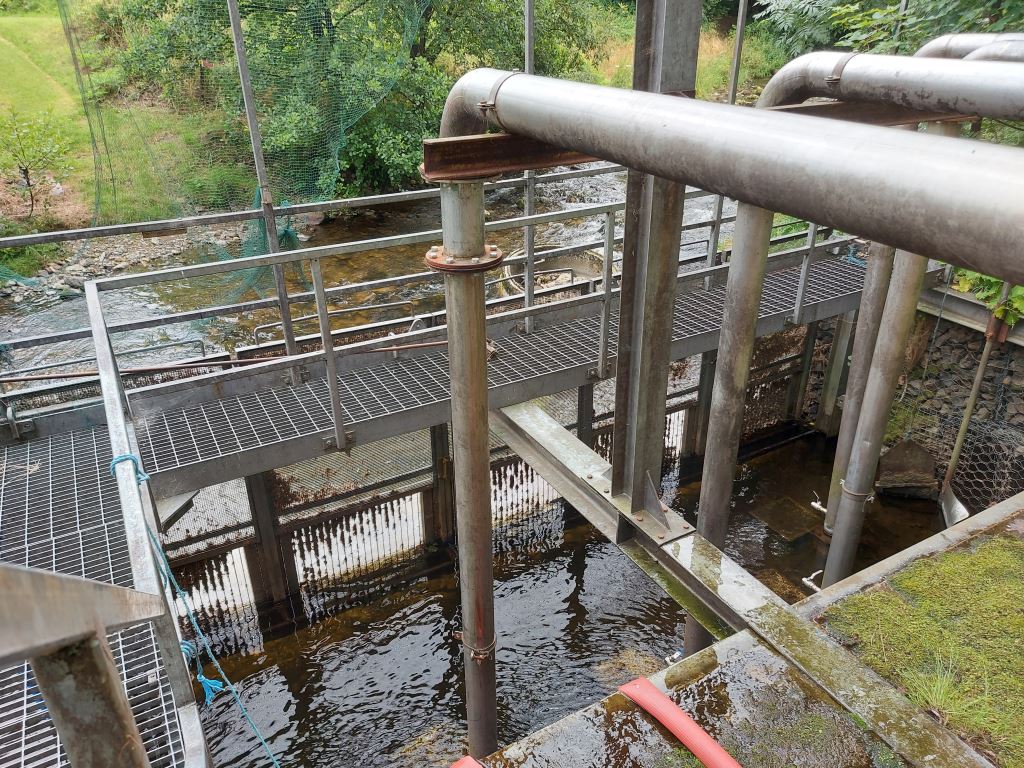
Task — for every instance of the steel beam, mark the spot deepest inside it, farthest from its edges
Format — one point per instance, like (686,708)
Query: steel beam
(836,374)
(43,611)
(272,569)
(665,60)
(86,699)
(473,157)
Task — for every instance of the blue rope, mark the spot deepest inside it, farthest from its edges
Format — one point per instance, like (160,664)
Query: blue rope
(191,651)
(214,685)
(140,476)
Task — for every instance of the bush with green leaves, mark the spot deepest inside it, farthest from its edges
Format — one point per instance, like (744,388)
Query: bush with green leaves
(32,146)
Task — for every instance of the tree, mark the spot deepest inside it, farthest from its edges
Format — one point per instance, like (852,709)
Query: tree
(31,146)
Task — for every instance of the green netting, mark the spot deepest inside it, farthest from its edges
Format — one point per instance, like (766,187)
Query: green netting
(162,100)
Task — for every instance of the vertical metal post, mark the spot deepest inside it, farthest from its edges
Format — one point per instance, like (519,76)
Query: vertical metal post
(529,230)
(798,385)
(441,513)
(805,269)
(665,59)
(86,699)
(464,258)
(606,298)
(341,440)
(869,318)
(585,414)
(734,80)
(836,372)
(266,198)
(735,348)
(277,576)
(890,349)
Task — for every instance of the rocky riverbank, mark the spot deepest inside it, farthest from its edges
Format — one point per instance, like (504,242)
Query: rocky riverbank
(84,261)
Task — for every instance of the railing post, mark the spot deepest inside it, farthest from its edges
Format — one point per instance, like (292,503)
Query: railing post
(266,198)
(341,437)
(463,261)
(798,384)
(805,268)
(836,372)
(606,294)
(86,699)
(529,231)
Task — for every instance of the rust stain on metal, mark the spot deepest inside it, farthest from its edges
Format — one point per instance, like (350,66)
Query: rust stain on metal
(491,154)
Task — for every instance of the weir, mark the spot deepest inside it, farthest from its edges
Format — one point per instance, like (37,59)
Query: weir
(93,475)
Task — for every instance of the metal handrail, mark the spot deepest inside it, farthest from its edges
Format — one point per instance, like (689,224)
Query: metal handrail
(333,313)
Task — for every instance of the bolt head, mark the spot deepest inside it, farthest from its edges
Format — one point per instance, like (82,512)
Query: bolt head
(449,260)
(590,477)
(661,535)
(476,259)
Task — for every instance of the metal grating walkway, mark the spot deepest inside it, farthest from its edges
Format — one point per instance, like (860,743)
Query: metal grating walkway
(59,510)
(223,429)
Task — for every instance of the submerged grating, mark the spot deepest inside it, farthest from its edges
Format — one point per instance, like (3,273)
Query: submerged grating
(220,428)
(59,511)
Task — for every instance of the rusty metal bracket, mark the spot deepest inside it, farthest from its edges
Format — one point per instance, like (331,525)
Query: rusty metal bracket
(491,154)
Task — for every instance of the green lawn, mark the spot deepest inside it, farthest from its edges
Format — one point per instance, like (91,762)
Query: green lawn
(150,156)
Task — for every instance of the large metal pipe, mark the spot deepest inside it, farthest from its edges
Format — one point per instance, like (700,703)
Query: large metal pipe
(1007,50)
(940,85)
(959,45)
(897,319)
(462,222)
(869,320)
(735,348)
(957,201)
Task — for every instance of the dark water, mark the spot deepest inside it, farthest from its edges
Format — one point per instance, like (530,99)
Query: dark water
(380,684)
(780,485)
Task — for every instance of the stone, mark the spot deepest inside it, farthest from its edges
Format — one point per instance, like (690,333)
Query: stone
(907,470)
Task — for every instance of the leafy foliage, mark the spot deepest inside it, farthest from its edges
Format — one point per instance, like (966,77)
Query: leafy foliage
(805,25)
(799,25)
(988,289)
(30,147)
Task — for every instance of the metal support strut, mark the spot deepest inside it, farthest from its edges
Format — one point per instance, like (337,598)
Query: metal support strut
(463,261)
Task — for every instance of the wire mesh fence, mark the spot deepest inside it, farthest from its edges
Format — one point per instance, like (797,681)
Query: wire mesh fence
(930,406)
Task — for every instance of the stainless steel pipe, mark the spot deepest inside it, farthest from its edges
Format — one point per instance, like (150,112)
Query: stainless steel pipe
(957,201)
(897,319)
(462,223)
(959,45)
(869,320)
(990,88)
(1007,50)
(735,348)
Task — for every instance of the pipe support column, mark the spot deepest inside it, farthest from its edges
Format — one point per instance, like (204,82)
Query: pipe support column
(890,349)
(869,320)
(464,259)
(735,348)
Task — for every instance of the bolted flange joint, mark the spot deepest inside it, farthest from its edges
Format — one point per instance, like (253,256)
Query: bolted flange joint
(437,259)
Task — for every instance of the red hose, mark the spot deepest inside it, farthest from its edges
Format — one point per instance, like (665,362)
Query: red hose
(466,762)
(643,693)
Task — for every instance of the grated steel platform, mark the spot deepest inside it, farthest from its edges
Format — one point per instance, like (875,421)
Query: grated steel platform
(59,511)
(214,441)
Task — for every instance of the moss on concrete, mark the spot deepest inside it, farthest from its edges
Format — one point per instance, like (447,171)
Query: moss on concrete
(949,630)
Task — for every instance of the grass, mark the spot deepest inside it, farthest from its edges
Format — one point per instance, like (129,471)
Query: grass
(761,58)
(950,631)
(149,143)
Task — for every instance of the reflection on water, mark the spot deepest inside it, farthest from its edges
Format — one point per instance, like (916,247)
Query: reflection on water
(381,683)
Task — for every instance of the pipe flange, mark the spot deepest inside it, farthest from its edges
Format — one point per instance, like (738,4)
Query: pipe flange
(437,260)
